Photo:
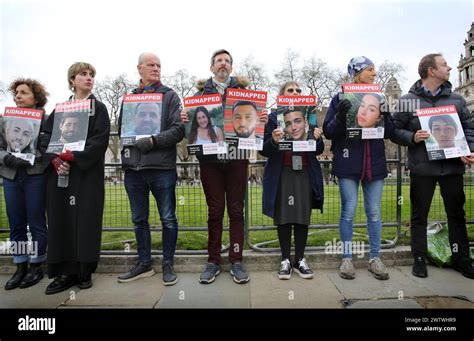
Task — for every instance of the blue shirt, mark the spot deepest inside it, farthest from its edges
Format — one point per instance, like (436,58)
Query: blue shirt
(430,94)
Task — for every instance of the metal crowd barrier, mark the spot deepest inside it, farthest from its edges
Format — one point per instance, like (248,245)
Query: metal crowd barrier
(192,209)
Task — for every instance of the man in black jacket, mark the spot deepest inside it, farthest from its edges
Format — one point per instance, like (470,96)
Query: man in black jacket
(150,165)
(434,90)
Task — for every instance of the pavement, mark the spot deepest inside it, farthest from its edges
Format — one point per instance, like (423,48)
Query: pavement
(439,305)
(444,288)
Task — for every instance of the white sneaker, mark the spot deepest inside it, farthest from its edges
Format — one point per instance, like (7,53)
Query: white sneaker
(285,270)
(302,269)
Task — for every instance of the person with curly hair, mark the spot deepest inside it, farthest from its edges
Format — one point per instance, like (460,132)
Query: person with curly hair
(24,187)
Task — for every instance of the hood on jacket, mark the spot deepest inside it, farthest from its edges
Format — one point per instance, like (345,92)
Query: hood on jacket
(243,82)
(417,89)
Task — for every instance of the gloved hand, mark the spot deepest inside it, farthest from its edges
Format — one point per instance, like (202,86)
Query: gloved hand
(14,162)
(43,142)
(67,156)
(57,162)
(144,144)
(342,109)
(386,115)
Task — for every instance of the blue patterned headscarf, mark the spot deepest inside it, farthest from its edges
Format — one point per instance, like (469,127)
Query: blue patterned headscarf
(358,64)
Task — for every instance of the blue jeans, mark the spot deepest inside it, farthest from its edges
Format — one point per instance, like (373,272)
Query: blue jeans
(162,184)
(25,198)
(348,189)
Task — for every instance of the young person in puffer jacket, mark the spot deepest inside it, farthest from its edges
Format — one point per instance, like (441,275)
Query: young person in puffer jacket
(434,90)
(358,161)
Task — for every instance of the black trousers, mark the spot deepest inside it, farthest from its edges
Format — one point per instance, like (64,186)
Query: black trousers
(452,191)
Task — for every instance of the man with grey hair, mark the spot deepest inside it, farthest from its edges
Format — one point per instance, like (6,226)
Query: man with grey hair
(434,90)
(150,165)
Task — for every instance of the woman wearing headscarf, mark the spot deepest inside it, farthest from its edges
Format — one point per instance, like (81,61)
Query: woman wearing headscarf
(357,161)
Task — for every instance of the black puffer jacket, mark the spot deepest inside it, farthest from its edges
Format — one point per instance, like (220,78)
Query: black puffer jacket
(407,123)
(163,155)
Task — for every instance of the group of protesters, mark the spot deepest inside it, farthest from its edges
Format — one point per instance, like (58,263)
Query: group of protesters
(65,222)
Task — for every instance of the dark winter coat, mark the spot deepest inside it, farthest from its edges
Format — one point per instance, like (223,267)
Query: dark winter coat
(75,213)
(274,165)
(163,155)
(348,154)
(407,123)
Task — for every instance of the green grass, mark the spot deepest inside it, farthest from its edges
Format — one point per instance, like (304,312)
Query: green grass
(192,212)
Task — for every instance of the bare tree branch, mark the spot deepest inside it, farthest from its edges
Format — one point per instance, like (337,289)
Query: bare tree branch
(3,90)
(320,80)
(290,70)
(255,72)
(110,92)
(181,82)
(184,85)
(387,70)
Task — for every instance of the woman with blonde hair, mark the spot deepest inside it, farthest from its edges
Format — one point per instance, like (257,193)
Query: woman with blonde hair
(357,161)
(75,211)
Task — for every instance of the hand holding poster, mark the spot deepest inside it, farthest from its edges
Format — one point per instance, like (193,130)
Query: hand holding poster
(364,118)
(447,138)
(141,117)
(71,122)
(21,128)
(241,122)
(292,117)
(205,130)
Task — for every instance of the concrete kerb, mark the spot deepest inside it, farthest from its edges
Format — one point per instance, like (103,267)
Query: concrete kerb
(253,261)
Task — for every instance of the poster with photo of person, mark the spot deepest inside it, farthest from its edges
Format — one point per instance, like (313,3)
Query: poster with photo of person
(293,116)
(71,122)
(447,139)
(242,126)
(21,127)
(205,129)
(364,118)
(141,117)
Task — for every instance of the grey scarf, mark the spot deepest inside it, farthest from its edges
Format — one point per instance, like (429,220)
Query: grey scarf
(221,86)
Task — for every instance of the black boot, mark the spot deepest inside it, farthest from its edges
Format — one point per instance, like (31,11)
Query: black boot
(463,265)
(85,281)
(34,275)
(419,267)
(20,273)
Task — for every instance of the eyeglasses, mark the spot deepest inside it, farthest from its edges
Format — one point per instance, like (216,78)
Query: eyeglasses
(291,90)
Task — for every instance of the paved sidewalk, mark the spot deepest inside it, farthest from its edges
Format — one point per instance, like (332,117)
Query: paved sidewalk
(444,288)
